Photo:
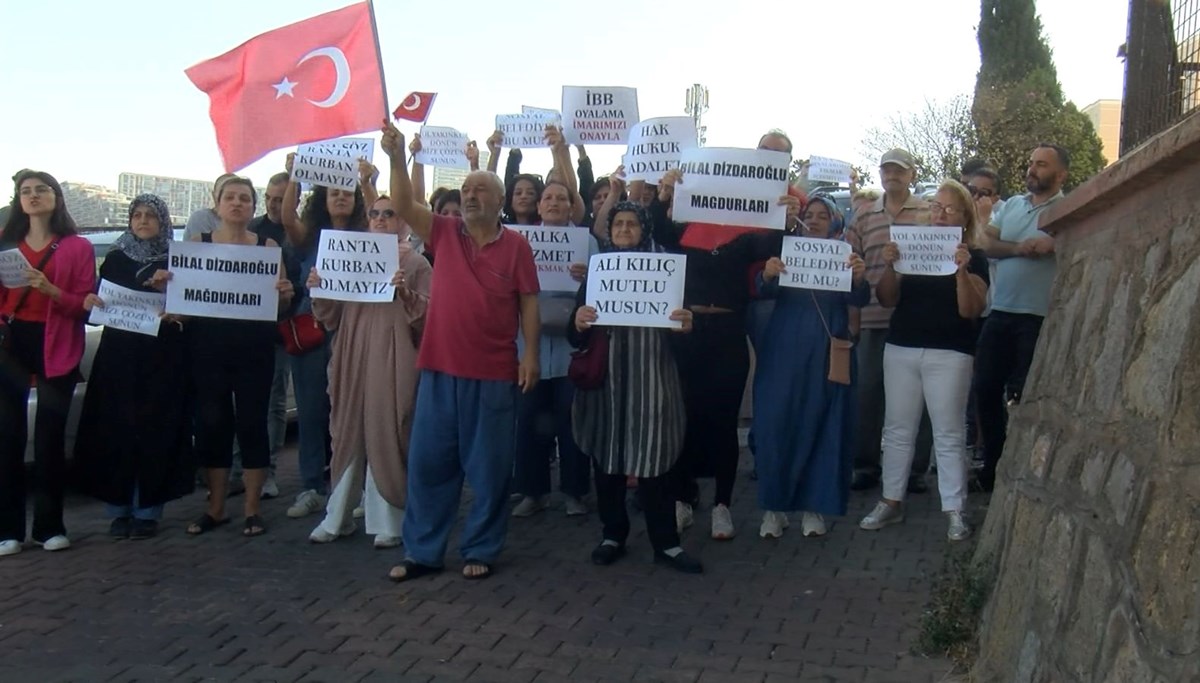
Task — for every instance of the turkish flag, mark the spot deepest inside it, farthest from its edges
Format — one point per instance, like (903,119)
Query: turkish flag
(313,80)
(415,107)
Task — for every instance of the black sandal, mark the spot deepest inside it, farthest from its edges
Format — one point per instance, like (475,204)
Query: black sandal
(488,570)
(413,570)
(204,524)
(254,522)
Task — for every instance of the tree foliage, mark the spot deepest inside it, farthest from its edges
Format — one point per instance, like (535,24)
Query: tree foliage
(941,136)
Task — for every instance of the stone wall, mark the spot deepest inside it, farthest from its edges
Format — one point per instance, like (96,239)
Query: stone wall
(1094,528)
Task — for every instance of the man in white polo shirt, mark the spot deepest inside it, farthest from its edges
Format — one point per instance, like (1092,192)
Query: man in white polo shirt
(1021,295)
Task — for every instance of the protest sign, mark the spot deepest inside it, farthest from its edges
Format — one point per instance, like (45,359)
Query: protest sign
(445,147)
(13,265)
(526,131)
(356,266)
(554,250)
(827,170)
(598,116)
(636,289)
(655,146)
(332,163)
(526,109)
(816,264)
(926,250)
(730,186)
(128,309)
(224,281)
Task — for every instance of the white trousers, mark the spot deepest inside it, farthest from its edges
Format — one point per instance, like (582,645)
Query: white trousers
(939,380)
(382,518)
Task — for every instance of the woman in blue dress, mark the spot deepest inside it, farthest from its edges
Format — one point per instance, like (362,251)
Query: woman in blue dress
(804,422)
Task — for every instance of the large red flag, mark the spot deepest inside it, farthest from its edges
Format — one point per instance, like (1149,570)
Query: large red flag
(313,80)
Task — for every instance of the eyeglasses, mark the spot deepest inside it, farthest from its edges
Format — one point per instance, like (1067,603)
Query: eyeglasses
(936,208)
(36,189)
(386,213)
(978,192)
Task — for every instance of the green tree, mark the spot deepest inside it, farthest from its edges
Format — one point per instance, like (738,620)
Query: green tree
(1019,102)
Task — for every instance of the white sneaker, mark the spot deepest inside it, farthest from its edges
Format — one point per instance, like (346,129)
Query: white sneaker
(959,529)
(683,516)
(270,489)
(883,515)
(306,503)
(53,543)
(360,512)
(529,506)
(320,535)
(383,541)
(722,523)
(773,524)
(9,547)
(575,507)
(812,524)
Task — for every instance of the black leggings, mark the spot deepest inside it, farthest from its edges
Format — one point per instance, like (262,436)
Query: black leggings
(23,360)
(657,502)
(714,361)
(233,392)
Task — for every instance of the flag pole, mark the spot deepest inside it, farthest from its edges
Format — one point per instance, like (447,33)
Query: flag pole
(387,111)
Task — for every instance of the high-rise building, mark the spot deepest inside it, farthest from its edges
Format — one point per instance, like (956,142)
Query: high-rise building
(453,177)
(1106,119)
(183,196)
(96,206)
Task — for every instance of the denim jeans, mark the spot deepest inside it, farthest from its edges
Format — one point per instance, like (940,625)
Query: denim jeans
(1002,360)
(536,441)
(152,513)
(310,377)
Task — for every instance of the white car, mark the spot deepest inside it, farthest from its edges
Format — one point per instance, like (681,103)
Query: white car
(101,242)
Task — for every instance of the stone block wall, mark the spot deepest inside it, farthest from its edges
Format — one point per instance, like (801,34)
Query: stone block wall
(1094,529)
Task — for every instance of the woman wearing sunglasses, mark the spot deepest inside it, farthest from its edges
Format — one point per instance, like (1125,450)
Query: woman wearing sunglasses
(373,387)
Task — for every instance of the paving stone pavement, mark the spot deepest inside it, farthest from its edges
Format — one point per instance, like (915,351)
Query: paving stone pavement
(277,608)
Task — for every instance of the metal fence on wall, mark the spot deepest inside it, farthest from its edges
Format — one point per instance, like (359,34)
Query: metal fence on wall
(1162,68)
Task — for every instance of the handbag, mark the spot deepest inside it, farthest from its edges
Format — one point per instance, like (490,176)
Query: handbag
(301,333)
(589,365)
(839,350)
(5,331)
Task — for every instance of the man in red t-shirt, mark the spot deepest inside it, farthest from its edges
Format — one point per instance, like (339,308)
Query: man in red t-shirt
(484,289)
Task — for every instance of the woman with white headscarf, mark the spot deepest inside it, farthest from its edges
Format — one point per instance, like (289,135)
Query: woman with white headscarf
(134,448)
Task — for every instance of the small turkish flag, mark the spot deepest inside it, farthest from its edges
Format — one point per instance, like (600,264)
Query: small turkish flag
(313,80)
(415,107)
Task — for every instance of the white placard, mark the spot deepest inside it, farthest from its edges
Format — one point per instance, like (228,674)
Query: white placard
(526,109)
(656,145)
(816,264)
(555,249)
(13,265)
(224,281)
(598,116)
(445,147)
(526,131)
(356,266)
(829,170)
(926,250)
(332,163)
(729,186)
(636,289)
(128,309)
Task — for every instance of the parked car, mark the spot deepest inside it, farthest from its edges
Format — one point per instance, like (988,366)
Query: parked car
(102,242)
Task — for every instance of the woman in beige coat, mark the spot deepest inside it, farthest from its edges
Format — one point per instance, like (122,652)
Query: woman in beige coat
(372,391)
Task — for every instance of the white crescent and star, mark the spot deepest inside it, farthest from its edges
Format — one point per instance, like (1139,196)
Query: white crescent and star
(416,102)
(341,83)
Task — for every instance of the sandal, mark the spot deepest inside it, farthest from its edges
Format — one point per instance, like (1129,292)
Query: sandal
(254,526)
(204,524)
(412,570)
(488,570)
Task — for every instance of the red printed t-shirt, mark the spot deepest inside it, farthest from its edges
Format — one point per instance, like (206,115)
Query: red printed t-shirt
(36,304)
(474,310)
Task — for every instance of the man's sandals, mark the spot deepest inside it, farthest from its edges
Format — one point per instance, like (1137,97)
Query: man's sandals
(473,570)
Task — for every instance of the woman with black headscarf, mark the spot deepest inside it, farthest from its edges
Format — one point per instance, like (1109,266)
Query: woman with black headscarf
(134,447)
(633,423)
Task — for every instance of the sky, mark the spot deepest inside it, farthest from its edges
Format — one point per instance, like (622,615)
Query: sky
(97,88)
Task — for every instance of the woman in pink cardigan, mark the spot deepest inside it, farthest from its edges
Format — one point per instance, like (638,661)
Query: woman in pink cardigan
(43,337)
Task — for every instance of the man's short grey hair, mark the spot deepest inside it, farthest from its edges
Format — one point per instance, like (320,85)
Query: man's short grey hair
(777,133)
(497,183)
